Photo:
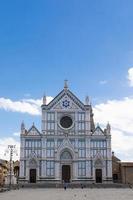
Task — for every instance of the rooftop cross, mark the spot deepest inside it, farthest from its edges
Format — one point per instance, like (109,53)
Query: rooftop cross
(65,84)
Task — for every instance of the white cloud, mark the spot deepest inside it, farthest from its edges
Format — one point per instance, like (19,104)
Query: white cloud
(4,142)
(120,115)
(122,145)
(30,106)
(16,134)
(130,76)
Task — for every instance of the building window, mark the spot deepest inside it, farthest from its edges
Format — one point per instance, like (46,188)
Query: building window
(33,146)
(81,148)
(81,117)
(98,144)
(50,153)
(50,148)
(50,125)
(81,126)
(81,153)
(50,116)
(81,168)
(33,143)
(50,143)
(50,168)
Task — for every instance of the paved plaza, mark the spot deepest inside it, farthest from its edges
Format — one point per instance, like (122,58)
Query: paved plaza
(72,194)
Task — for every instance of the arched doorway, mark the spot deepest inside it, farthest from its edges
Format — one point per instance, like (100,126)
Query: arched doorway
(32,175)
(66,166)
(98,175)
(98,170)
(32,171)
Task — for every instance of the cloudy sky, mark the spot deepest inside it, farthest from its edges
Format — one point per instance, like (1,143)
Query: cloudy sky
(90,43)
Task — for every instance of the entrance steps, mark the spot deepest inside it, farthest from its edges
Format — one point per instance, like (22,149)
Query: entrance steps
(74,185)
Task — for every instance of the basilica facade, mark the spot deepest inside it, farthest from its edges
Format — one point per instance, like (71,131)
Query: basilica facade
(69,147)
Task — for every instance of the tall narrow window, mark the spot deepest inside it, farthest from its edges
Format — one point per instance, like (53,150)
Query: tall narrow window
(50,168)
(81,148)
(81,116)
(50,148)
(81,168)
(50,116)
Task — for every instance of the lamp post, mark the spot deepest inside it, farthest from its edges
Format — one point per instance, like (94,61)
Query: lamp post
(11,150)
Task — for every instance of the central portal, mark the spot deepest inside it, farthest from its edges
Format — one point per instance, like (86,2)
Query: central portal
(66,173)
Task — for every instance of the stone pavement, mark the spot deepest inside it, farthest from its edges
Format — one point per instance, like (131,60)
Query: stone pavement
(69,194)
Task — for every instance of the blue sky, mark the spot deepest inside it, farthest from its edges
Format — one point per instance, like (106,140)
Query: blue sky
(43,42)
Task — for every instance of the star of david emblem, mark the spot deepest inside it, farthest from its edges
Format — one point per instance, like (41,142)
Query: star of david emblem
(66,103)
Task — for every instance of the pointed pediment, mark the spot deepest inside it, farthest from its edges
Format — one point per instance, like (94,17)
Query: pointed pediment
(66,144)
(98,162)
(98,131)
(33,131)
(65,100)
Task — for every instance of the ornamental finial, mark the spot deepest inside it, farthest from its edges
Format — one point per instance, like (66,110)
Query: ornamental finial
(22,126)
(65,84)
(87,100)
(108,128)
(44,100)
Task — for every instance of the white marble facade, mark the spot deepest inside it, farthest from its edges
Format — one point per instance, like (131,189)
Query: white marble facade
(69,147)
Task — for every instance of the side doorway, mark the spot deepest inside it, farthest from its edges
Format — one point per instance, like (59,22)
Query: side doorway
(32,175)
(98,175)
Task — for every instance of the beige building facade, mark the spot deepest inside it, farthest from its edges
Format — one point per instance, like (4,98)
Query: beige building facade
(122,172)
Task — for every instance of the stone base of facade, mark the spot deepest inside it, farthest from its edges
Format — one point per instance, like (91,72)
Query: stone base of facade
(72,185)
(59,183)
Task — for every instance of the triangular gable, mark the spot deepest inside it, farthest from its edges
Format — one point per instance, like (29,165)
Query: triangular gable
(66,143)
(61,95)
(33,131)
(98,131)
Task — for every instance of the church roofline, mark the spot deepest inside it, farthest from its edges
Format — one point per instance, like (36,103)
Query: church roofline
(70,94)
(98,127)
(33,126)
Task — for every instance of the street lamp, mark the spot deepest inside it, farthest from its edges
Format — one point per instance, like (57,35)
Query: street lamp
(11,150)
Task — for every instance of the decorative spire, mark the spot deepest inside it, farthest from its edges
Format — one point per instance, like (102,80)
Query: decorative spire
(22,126)
(44,100)
(65,84)
(87,100)
(108,128)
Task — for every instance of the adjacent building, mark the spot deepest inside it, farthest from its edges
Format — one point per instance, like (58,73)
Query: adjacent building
(3,171)
(122,171)
(69,147)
